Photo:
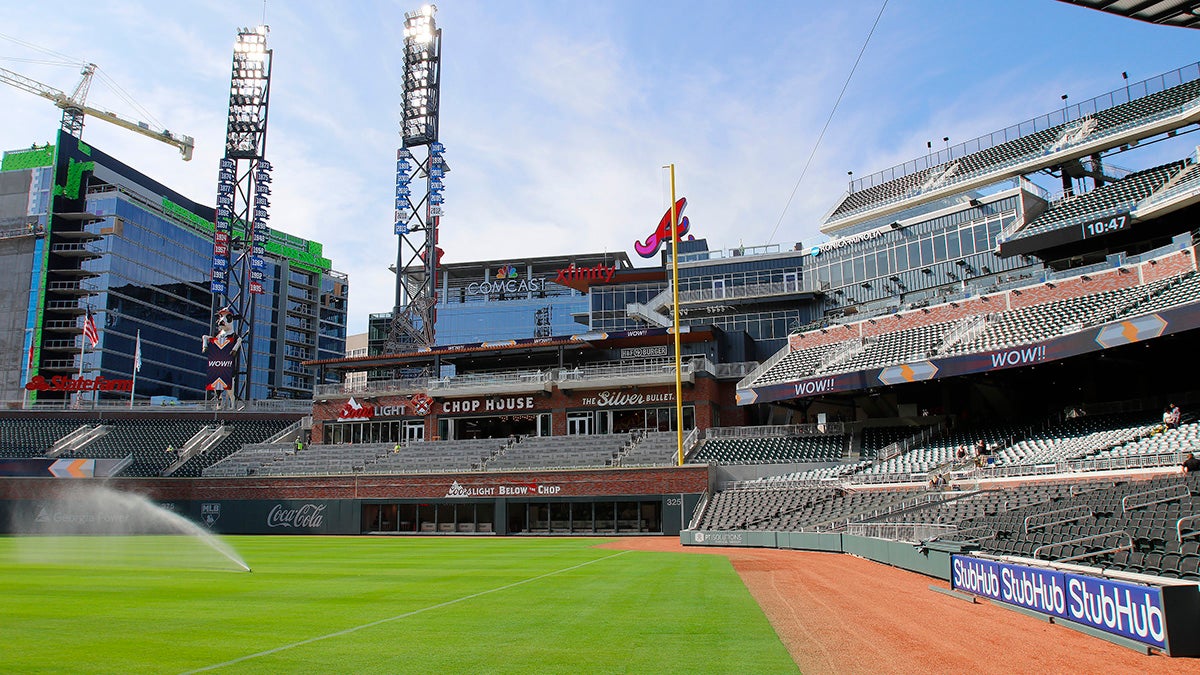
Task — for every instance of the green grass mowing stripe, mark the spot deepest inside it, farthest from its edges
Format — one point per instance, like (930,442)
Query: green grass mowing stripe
(641,612)
(405,615)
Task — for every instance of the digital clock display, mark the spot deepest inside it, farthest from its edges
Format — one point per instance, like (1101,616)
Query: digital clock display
(1095,228)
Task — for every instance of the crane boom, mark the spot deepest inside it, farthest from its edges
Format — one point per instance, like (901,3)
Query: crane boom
(73,107)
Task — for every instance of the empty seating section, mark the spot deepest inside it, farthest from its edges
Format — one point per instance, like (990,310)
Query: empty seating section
(1007,328)
(1119,195)
(875,439)
(1181,291)
(944,449)
(1138,526)
(770,450)
(32,437)
(655,448)
(1076,439)
(434,456)
(1022,149)
(773,508)
(798,363)
(550,452)
(322,460)
(241,433)
(1025,325)
(895,347)
(1176,442)
(824,473)
(146,439)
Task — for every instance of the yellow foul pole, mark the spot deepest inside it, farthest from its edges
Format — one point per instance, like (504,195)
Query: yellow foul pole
(675,322)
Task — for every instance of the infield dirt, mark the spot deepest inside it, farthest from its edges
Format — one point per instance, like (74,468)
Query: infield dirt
(836,613)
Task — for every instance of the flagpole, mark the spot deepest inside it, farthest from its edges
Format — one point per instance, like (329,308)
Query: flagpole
(137,357)
(82,344)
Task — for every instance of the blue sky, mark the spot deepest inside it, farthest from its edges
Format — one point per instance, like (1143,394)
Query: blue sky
(558,116)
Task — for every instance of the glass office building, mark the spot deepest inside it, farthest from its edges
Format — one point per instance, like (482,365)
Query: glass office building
(138,256)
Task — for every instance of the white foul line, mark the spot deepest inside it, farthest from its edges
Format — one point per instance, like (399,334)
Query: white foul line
(405,615)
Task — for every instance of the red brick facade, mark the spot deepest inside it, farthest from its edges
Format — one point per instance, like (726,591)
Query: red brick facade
(489,485)
(713,402)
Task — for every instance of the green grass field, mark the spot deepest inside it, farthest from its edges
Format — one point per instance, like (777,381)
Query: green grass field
(374,605)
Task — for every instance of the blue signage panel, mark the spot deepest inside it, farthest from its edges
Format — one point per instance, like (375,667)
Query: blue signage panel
(1121,608)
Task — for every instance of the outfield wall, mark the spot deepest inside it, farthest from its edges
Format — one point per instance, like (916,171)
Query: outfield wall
(619,501)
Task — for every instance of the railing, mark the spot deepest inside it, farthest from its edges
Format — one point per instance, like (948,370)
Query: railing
(485,379)
(763,367)
(628,369)
(966,329)
(839,354)
(777,431)
(1048,121)
(901,446)
(730,370)
(909,532)
(1162,495)
(1184,187)
(698,514)
(1081,540)
(904,505)
(741,292)
(1188,520)
(1070,514)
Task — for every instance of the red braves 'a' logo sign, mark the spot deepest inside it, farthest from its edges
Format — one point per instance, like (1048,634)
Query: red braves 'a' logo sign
(662,235)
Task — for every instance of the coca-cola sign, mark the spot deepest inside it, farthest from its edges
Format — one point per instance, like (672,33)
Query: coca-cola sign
(305,516)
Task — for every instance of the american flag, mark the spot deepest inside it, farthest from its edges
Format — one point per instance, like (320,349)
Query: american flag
(137,353)
(89,330)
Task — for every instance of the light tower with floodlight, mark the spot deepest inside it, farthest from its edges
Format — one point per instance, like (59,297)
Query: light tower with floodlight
(417,213)
(243,188)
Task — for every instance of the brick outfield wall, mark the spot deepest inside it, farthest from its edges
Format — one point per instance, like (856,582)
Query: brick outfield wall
(593,483)
(1170,265)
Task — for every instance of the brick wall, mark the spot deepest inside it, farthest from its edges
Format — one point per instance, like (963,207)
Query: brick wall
(578,483)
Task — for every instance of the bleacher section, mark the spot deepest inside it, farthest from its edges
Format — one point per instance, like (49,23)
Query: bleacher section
(654,448)
(770,450)
(434,456)
(895,347)
(1147,526)
(1121,195)
(552,452)
(1138,526)
(1076,439)
(1025,323)
(34,437)
(241,433)
(1027,148)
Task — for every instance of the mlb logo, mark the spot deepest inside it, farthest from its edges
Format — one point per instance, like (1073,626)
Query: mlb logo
(210,512)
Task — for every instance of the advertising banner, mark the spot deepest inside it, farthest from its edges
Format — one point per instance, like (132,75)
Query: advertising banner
(1121,608)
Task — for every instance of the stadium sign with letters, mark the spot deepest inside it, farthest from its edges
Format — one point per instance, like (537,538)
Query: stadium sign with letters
(457,489)
(1129,610)
(62,383)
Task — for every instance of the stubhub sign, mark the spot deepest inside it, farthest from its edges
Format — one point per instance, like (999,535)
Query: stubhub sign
(1118,607)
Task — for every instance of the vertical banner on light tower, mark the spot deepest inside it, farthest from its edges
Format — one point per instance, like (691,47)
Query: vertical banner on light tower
(403,204)
(223,227)
(437,170)
(259,232)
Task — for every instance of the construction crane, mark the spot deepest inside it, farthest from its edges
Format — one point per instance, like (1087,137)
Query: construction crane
(74,108)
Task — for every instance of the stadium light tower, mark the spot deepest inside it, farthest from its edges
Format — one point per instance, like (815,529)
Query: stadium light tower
(243,186)
(418,213)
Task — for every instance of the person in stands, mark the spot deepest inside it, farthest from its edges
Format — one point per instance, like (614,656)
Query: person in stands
(1173,416)
(1191,464)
